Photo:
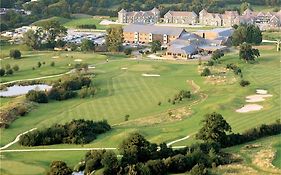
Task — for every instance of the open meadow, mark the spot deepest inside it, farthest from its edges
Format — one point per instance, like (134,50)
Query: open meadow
(122,89)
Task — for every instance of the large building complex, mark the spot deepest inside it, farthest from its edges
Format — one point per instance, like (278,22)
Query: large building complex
(139,17)
(265,20)
(228,19)
(181,17)
(135,33)
(179,43)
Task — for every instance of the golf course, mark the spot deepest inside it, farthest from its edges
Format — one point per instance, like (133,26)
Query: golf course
(140,88)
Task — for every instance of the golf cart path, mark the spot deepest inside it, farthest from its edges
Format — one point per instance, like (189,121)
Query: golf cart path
(17,139)
(2,149)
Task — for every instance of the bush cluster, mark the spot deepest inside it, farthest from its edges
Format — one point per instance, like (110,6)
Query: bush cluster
(206,72)
(16,54)
(253,134)
(244,83)
(235,68)
(183,94)
(75,132)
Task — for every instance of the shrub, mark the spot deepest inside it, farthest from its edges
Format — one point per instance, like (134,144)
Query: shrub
(128,51)
(210,63)
(199,169)
(159,103)
(37,96)
(244,83)
(206,72)
(52,64)
(2,72)
(16,67)
(16,54)
(39,64)
(9,72)
(7,66)
(127,117)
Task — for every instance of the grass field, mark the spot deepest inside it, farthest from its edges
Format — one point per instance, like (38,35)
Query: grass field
(255,160)
(77,20)
(272,35)
(122,92)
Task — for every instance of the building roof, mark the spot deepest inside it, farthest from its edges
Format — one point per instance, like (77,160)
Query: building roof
(163,30)
(182,13)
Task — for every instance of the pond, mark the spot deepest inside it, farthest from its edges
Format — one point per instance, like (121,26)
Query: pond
(17,90)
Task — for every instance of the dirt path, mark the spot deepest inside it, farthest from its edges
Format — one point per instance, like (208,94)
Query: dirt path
(16,139)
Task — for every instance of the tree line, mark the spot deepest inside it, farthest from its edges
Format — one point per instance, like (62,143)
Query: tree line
(140,156)
(75,132)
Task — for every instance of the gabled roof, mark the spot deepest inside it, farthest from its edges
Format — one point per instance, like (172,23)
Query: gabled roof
(182,13)
(163,30)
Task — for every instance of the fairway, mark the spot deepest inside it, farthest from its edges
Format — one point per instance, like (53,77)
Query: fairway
(126,91)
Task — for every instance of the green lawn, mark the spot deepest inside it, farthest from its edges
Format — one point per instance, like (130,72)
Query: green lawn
(64,61)
(76,20)
(271,35)
(122,92)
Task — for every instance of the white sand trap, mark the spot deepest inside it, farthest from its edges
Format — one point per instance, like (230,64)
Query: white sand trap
(124,68)
(92,67)
(55,57)
(78,60)
(257,98)
(261,91)
(249,108)
(150,75)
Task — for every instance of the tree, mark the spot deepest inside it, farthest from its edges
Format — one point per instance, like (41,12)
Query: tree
(199,169)
(52,64)
(156,167)
(14,53)
(216,55)
(214,128)
(248,53)
(2,72)
(244,6)
(53,31)
(128,51)
(244,83)
(136,149)
(59,168)
(206,72)
(37,96)
(39,64)
(9,72)
(114,39)
(87,45)
(33,38)
(16,67)
(246,33)
(155,46)
(110,163)
(7,67)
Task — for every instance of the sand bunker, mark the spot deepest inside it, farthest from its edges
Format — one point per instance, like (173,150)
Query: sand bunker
(55,57)
(77,60)
(249,108)
(150,75)
(257,98)
(261,91)
(124,68)
(92,67)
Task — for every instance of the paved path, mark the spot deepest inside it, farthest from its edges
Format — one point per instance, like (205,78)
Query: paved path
(17,139)
(178,140)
